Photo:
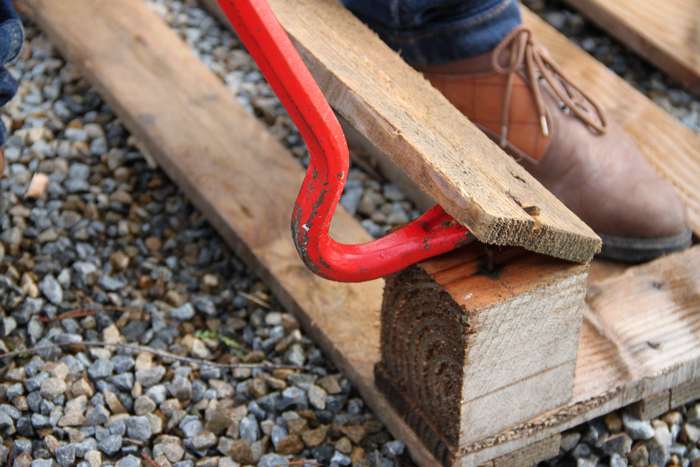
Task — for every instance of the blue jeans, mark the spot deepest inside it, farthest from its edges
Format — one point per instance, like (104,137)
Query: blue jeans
(429,32)
(11,38)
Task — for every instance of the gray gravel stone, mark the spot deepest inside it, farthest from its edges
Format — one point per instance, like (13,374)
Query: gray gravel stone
(249,429)
(97,415)
(181,388)
(138,427)
(51,289)
(272,460)
(100,369)
(129,461)
(191,426)
(660,445)
(204,440)
(110,444)
(51,388)
(148,377)
(340,459)
(144,405)
(637,429)
(65,455)
(619,443)
(183,312)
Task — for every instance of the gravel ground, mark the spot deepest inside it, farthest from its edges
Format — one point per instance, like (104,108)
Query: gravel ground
(97,245)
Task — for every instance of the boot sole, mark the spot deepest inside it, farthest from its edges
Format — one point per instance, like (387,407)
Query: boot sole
(637,250)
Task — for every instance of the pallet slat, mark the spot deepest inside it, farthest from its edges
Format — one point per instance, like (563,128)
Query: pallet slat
(386,100)
(666,33)
(228,164)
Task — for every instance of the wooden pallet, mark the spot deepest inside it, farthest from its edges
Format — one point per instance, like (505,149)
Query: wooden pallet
(219,155)
(666,33)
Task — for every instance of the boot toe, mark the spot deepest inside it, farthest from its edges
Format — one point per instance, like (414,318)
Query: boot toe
(653,224)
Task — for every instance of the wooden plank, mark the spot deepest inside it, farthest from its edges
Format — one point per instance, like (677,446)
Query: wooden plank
(671,147)
(665,33)
(640,337)
(450,159)
(233,170)
(469,348)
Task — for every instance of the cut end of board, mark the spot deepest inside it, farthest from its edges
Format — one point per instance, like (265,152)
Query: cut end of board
(477,340)
(578,246)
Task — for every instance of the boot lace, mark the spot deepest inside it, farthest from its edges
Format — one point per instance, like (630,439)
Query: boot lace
(518,50)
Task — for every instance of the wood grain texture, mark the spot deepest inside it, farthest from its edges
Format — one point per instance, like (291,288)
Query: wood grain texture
(226,162)
(371,87)
(667,33)
(684,393)
(652,406)
(640,337)
(477,340)
(531,455)
(672,148)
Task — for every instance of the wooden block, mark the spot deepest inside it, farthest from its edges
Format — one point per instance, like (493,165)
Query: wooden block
(665,33)
(448,157)
(652,406)
(684,393)
(469,348)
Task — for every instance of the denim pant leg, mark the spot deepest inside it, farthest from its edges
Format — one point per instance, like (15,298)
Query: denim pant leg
(11,38)
(428,32)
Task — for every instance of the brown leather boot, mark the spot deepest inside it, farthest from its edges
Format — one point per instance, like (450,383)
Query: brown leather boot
(520,98)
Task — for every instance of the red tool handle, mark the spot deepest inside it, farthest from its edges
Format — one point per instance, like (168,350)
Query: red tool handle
(434,233)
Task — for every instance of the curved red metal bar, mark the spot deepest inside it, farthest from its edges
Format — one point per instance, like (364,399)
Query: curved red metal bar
(432,234)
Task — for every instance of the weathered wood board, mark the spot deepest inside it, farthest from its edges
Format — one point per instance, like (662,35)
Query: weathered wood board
(390,103)
(667,33)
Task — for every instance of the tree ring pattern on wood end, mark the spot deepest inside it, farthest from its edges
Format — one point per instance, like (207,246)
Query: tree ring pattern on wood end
(423,350)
